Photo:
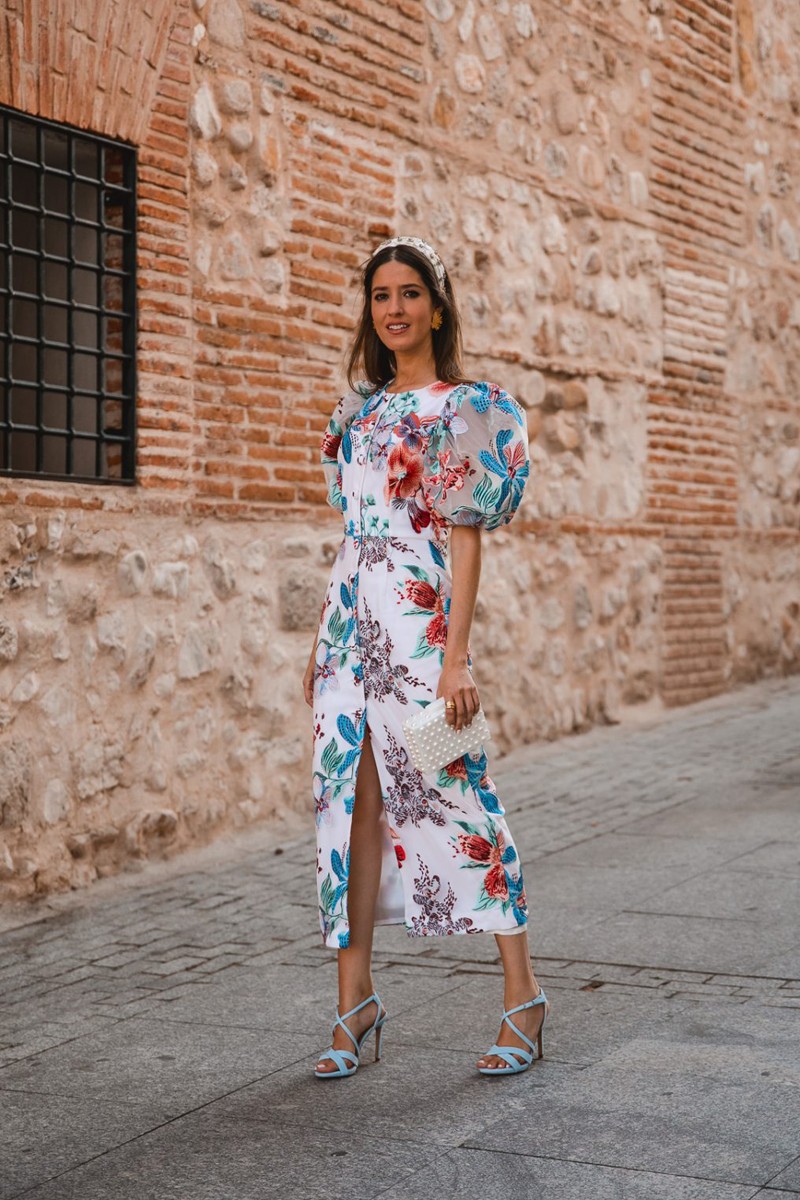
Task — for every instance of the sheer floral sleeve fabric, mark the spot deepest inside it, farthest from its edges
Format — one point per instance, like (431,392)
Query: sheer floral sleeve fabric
(479,462)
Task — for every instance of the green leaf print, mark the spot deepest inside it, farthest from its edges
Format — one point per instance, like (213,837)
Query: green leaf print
(425,649)
(331,758)
(336,626)
(486,496)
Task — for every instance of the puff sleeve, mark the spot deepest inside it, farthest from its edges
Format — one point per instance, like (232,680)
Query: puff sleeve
(482,459)
(335,434)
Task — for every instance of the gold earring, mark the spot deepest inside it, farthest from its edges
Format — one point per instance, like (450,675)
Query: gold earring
(436,319)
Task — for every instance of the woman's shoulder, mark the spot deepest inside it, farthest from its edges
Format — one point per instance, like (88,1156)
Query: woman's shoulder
(487,397)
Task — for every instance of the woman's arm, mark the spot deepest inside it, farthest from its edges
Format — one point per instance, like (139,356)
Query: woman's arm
(308,677)
(456,682)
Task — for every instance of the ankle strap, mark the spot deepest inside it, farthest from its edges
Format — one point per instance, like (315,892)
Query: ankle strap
(540,999)
(340,1020)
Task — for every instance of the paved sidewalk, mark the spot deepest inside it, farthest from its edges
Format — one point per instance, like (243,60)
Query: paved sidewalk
(157,1033)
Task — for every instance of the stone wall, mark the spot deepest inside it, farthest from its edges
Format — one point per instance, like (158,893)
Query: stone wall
(150,687)
(614,186)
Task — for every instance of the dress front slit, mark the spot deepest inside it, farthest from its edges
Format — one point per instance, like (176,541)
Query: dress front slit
(401,469)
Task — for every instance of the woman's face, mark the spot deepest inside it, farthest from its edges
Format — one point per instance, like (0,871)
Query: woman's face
(401,308)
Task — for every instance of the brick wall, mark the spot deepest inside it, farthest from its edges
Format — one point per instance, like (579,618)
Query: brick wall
(614,187)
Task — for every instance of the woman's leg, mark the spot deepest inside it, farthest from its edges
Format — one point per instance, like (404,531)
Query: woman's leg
(519,986)
(366,851)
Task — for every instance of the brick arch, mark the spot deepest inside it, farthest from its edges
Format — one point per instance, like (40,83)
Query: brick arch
(94,65)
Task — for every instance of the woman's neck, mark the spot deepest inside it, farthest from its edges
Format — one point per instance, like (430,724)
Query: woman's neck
(413,374)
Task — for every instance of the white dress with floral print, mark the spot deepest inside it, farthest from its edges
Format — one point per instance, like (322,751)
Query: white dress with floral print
(402,467)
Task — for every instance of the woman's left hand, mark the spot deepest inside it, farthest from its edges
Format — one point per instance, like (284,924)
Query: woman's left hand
(458,688)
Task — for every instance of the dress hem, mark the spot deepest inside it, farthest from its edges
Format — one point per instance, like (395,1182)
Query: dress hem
(506,931)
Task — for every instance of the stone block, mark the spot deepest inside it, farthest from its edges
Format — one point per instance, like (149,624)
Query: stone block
(58,706)
(25,689)
(171,579)
(575,395)
(204,167)
(142,657)
(150,829)
(490,39)
(198,650)
(82,604)
(16,776)
(566,111)
(234,259)
(98,765)
(553,235)
(237,178)
(235,97)
(470,74)
(441,10)
(225,24)
(204,116)
(219,569)
(300,596)
(55,802)
(111,635)
(240,137)
(582,606)
(6,862)
(467,22)
(591,171)
(60,648)
(9,641)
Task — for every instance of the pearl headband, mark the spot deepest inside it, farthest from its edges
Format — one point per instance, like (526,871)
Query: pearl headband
(423,247)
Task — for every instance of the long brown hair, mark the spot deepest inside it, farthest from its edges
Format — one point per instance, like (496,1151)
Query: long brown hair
(368,353)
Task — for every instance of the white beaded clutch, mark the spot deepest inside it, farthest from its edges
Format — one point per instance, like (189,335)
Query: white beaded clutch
(434,744)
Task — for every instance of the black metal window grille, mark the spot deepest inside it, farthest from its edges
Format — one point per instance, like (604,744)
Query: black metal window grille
(67,302)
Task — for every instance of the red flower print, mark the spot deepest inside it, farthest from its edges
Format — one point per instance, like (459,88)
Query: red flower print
(423,595)
(495,882)
(331,444)
(405,471)
(476,848)
(436,632)
(457,769)
(400,854)
(515,458)
(420,518)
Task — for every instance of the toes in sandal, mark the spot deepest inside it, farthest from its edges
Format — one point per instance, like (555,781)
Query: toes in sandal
(347,1061)
(516,1058)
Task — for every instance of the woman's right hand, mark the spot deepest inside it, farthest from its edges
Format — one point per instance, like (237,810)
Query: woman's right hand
(308,678)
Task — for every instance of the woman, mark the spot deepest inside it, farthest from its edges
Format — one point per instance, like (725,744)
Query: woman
(418,459)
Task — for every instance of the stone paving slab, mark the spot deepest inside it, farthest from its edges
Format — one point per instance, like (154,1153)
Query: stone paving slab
(171,1065)
(789,1178)
(654,1120)
(158,1032)
(475,1174)
(41,1135)
(412,1089)
(204,1157)
(678,942)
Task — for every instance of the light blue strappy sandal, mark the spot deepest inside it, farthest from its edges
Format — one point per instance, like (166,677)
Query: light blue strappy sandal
(346,1060)
(516,1057)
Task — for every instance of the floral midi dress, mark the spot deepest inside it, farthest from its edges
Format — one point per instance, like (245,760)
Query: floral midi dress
(402,467)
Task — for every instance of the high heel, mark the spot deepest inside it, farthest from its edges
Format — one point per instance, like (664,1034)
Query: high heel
(516,1058)
(346,1060)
